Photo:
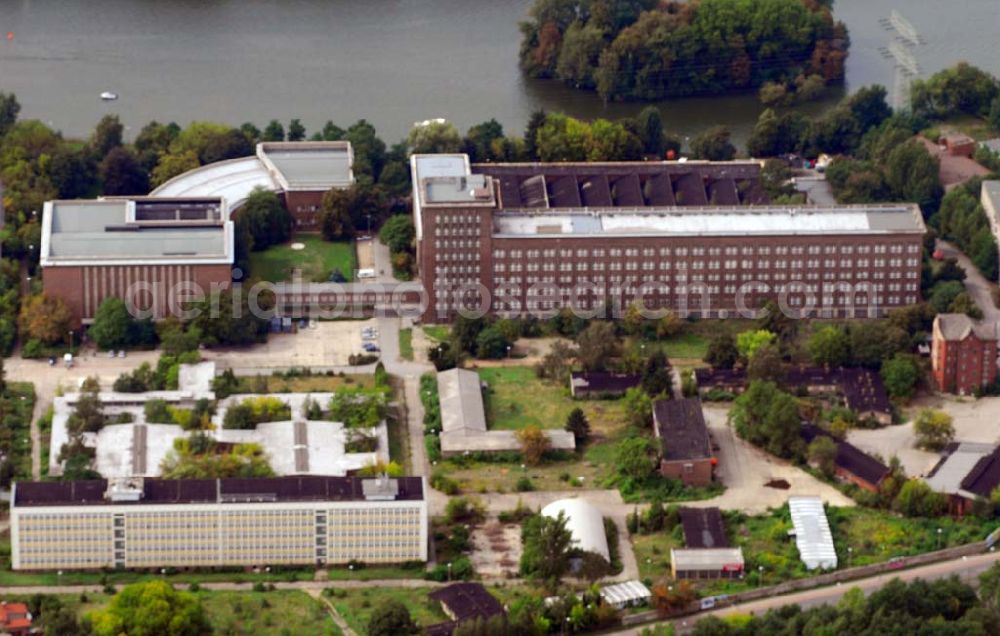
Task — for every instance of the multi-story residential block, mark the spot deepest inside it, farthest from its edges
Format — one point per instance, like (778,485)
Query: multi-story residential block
(963,353)
(693,238)
(195,523)
(150,252)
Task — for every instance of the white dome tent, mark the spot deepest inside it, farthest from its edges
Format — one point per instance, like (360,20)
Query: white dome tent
(585,523)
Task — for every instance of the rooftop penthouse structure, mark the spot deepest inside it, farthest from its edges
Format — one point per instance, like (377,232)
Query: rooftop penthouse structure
(691,237)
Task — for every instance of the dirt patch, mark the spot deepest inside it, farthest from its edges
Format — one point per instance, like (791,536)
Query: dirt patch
(780,484)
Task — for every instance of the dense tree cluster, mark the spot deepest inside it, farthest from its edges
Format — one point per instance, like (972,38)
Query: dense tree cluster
(962,220)
(644,49)
(944,606)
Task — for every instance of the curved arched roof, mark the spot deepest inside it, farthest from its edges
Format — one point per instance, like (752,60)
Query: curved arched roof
(584,522)
(233,180)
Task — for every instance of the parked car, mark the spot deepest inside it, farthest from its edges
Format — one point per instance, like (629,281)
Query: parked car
(371,348)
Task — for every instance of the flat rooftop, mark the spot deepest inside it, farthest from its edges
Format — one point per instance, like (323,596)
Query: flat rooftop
(714,221)
(131,231)
(225,491)
(232,180)
(680,425)
(308,165)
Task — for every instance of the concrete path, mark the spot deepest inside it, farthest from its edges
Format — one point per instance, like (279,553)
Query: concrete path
(975,283)
(305,586)
(332,611)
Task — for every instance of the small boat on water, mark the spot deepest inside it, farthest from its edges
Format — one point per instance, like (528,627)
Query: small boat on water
(109,96)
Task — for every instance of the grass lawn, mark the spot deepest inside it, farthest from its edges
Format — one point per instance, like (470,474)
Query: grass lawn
(652,553)
(317,260)
(373,573)
(275,612)
(517,398)
(406,344)
(356,605)
(437,333)
(689,346)
(303,384)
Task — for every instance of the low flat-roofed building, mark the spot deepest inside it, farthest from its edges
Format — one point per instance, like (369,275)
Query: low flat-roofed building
(463,602)
(703,528)
(194,523)
(710,563)
(967,471)
(463,419)
(813,537)
(851,463)
(300,171)
(599,384)
(145,251)
(685,445)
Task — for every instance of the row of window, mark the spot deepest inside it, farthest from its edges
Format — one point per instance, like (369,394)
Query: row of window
(764,250)
(569,266)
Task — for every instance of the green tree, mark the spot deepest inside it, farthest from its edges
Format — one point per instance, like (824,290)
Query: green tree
(391,618)
(597,345)
(766,364)
(480,138)
(267,220)
(822,452)
(172,165)
(713,145)
(122,174)
(656,375)
(635,458)
(344,210)
(112,321)
(649,127)
(398,233)
(152,608)
(434,137)
(547,542)
(869,107)
(638,408)
(9,109)
(768,417)
(534,444)
(962,88)
(107,136)
(563,138)
(749,342)
(274,131)
(45,318)
(611,141)
(535,123)
(912,174)
(900,375)
(296,131)
(722,352)
(934,429)
(577,424)
(916,499)
(491,344)
(829,347)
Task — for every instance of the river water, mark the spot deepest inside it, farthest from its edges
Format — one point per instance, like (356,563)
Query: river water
(390,61)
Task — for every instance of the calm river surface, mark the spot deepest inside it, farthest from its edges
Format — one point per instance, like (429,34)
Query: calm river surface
(390,61)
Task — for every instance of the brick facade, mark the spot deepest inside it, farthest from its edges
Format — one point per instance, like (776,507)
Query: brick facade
(694,472)
(963,354)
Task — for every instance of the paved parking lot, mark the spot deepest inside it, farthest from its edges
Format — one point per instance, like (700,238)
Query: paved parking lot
(322,344)
(975,421)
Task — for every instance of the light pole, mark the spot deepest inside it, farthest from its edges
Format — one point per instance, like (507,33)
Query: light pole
(508,352)
(850,553)
(449,571)
(939,538)
(760,576)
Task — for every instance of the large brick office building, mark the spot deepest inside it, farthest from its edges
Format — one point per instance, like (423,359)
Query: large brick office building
(690,237)
(144,250)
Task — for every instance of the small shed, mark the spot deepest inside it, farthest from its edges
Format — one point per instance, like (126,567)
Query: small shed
(627,594)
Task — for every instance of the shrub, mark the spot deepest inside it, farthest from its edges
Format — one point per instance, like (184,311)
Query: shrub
(524,484)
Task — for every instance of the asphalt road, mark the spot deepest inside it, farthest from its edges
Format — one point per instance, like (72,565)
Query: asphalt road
(966,568)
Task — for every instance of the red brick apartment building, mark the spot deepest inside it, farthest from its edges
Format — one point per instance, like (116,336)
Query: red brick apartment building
(691,237)
(301,172)
(143,250)
(963,354)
